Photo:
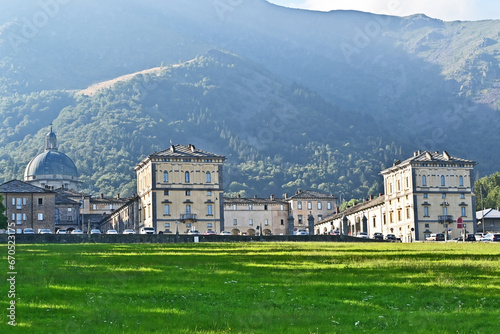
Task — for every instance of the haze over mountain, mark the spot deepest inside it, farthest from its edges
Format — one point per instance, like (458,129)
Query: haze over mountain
(294,98)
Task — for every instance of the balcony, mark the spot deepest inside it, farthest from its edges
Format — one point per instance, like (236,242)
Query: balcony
(445,219)
(188,216)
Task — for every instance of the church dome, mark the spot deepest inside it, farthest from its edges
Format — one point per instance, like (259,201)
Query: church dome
(51,163)
(52,168)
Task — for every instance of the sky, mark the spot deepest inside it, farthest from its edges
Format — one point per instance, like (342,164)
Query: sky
(447,10)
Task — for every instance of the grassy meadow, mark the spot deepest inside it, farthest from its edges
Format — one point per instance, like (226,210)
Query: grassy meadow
(255,288)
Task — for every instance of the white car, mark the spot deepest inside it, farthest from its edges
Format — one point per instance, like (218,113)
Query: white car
(302,231)
(95,231)
(193,232)
(363,235)
(225,233)
(28,231)
(111,232)
(148,230)
(44,231)
(487,237)
(128,231)
(61,232)
(77,232)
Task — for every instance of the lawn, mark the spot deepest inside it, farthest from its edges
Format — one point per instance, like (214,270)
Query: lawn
(255,288)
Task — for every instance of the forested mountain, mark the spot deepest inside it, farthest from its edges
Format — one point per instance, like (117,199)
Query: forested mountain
(293,98)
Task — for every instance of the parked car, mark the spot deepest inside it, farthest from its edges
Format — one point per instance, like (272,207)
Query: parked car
(479,236)
(61,232)
(128,231)
(496,236)
(225,233)
(436,237)
(193,232)
(336,232)
(44,231)
(491,237)
(28,231)
(77,232)
(210,232)
(390,237)
(363,235)
(302,231)
(167,231)
(148,230)
(378,236)
(95,231)
(470,237)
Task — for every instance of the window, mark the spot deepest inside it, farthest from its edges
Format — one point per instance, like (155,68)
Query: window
(70,218)
(309,205)
(320,217)
(374,222)
(320,206)
(209,177)
(329,205)
(250,207)
(266,222)
(188,192)
(462,196)
(209,210)
(426,195)
(299,205)
(399,185)
(165,176)
(251,222)
(209,193)
(188,209)
(166,193)
(187,177)
(407,182)
(24,216)
(40,216)
(188,225)
(70,209)
(19,203)
(167,225)
(445,211)
(461,181)
(427,225)
(443,181)
(166,210)
(235,207)
(235,222)
(282,222)
(400,216)
(443,196)
(426,211)
(19,218)
(265,207)
(408,213)
(424,180)
(209,225)
(111,206)
(282,207)
(94,206)
(463,212)
(24,201)
(300,219)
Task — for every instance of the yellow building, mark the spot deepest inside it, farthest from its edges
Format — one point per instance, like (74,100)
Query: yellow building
(427,194)
(181,189)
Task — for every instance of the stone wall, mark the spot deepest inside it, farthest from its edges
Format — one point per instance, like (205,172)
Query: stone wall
(169,238)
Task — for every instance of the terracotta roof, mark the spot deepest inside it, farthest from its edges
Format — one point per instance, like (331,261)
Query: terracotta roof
(360,207)
(254,201)
(310,194)
(16,186)
(427,156)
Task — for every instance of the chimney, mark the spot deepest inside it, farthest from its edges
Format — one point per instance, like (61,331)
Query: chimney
(372,197)
(300,190)
(118,196)
(272,197)
(191,147)
(239,195)
(102,195)
(446,155)
(255,196)
(286,195)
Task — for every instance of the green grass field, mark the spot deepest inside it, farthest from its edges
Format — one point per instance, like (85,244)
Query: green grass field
(255,288)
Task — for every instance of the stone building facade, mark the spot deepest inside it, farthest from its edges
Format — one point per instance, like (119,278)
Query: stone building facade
(181,188)
(28,206)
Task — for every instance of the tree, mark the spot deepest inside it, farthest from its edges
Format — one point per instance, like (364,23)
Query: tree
(3,218)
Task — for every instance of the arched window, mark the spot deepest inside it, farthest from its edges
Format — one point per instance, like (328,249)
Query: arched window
(461,181)
(424,180)
(209,177)
(187,177)
(165,176)
(443,181)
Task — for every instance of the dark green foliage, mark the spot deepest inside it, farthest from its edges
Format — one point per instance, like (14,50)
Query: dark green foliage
(488,192)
